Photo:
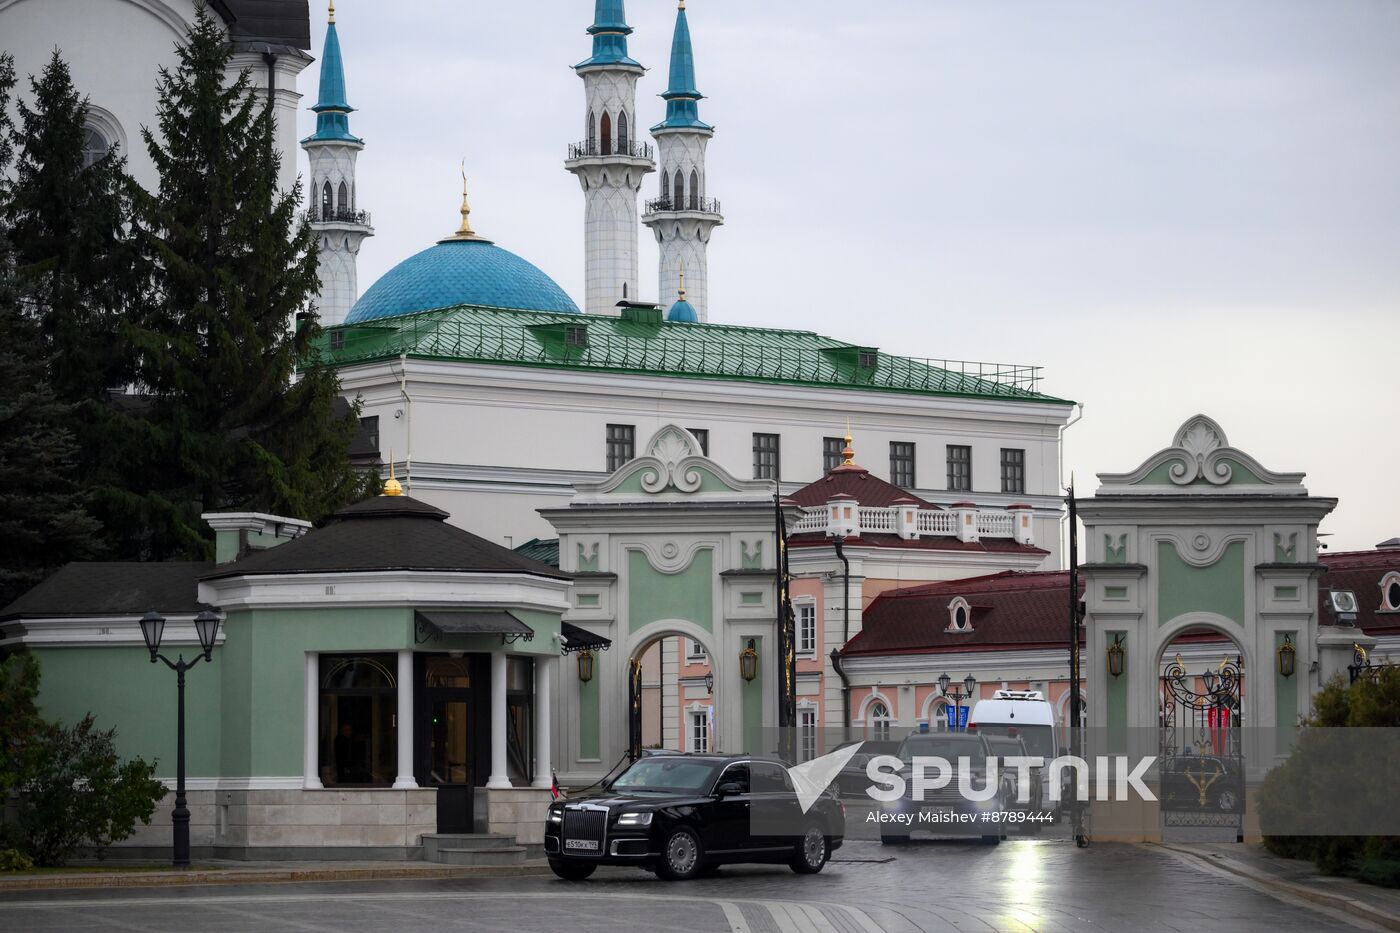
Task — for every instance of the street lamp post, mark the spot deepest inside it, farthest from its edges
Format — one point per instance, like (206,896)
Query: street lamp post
(945,684)
(206,625)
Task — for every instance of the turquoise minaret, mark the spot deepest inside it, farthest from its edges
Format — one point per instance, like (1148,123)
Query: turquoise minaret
(609,162)
(682,216)
(340,226)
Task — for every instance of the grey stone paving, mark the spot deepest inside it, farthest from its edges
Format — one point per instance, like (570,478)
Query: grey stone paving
(931,886)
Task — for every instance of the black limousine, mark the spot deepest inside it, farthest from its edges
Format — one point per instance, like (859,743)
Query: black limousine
(684,815)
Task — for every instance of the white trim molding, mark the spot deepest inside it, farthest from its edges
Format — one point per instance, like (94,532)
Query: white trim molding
(97,632)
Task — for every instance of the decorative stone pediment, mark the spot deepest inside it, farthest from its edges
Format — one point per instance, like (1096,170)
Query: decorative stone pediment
(671,465)
(1201,462)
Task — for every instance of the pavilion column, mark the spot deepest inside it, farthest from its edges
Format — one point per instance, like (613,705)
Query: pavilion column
(405,780)
(544,767)
(500,723)
(311,778)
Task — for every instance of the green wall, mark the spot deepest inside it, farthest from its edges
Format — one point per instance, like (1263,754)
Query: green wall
(124,690)
(687,595)
(1182,588)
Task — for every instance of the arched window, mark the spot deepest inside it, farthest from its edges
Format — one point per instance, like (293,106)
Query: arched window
(694,190)
(605,131)
(678,196)
(592,134)
(938,715)
(665,183)
(326,206)
(343,204)
(622,132)
(95,145)
(879,723)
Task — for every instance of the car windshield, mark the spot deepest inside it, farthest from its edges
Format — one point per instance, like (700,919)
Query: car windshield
(1040,740)
(667,775)
(948,747)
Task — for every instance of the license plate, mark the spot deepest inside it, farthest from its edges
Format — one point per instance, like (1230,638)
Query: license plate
(590,844)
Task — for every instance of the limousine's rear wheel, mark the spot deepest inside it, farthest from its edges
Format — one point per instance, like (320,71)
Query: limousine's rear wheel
(681,856)
(571,869)
(812,852)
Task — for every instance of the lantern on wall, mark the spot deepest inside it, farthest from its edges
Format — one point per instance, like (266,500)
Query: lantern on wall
(748,661)
(585,665)
(1115,656)
(1287,656)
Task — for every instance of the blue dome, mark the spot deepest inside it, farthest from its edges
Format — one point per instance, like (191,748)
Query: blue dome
(683,312)
(460,272)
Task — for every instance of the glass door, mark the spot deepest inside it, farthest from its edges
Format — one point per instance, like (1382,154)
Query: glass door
(449,758)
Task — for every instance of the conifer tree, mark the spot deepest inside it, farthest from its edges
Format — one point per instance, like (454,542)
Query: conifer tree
(43,520)
(243,412)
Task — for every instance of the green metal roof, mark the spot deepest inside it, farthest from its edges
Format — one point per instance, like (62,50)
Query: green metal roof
(640,342)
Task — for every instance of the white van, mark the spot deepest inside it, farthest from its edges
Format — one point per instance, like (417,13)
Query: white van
(1027,715)
(1027,712)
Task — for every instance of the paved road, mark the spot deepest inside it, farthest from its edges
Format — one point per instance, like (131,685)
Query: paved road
(928,886)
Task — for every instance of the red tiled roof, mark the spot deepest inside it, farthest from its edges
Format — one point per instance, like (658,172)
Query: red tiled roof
(938,543)
(858,482)
(1361,572)
(1011,610)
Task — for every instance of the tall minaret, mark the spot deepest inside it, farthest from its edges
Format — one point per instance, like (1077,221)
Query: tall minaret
(683,216)
(610,162)
(339,224)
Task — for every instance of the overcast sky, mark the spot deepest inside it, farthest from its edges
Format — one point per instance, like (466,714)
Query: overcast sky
(1173,207)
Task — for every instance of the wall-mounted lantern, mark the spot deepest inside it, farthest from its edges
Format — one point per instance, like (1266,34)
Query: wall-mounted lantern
(1287,656)
(710,682)
(585,665)
(748,661)
(1116,656)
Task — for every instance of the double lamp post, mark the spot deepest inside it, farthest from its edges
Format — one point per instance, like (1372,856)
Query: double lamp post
(206,626)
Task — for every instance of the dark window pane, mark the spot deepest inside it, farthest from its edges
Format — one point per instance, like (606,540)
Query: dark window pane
(703,436)
(831,453)
(1013,470)
(959,467)
(621,444)
(358,708)
(902,464)
(765,456)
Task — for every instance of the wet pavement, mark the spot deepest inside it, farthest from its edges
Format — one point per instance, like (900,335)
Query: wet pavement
(925,886)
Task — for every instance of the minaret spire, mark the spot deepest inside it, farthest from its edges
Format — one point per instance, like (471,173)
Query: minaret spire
(339,225)
(609,162)
(682,218)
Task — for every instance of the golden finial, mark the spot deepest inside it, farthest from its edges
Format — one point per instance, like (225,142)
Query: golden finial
(849,452)
(332,12)
(391,485)
(680,292)
(466,229)
(680,5)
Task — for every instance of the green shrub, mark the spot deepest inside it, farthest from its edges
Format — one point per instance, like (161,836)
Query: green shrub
(14,860)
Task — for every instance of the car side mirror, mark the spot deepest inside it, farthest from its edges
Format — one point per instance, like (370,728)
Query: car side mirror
(729,789)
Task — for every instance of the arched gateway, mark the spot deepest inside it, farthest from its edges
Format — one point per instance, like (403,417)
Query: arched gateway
(670,546)
(1201,568)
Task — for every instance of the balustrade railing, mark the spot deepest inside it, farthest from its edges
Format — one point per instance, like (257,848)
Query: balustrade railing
(344,217)
(936,523)
(591,148)
(928,523)
(875,519)
(668,205)
(996,524)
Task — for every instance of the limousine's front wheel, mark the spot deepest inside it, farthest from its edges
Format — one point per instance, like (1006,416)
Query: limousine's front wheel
(681,856)
(812,852)
(571,869)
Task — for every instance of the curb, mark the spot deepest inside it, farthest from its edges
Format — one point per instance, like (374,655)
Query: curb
(1345,904)
(165,879)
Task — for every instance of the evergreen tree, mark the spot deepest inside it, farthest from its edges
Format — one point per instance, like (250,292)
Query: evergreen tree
(243,412)
(43,520)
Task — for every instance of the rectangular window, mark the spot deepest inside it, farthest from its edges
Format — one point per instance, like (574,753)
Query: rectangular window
(806,626)
(765,456)
(703,436)
(902,464)
(959,468)
(1013,470)
(358,707)
(831,453)
(622,442)
(700,732)
(807,734)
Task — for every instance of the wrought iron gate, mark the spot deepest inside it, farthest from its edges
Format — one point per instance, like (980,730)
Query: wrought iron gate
(1201,754)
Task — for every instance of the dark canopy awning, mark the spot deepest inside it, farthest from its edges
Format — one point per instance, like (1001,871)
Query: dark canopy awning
(483,622)
(577,639)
